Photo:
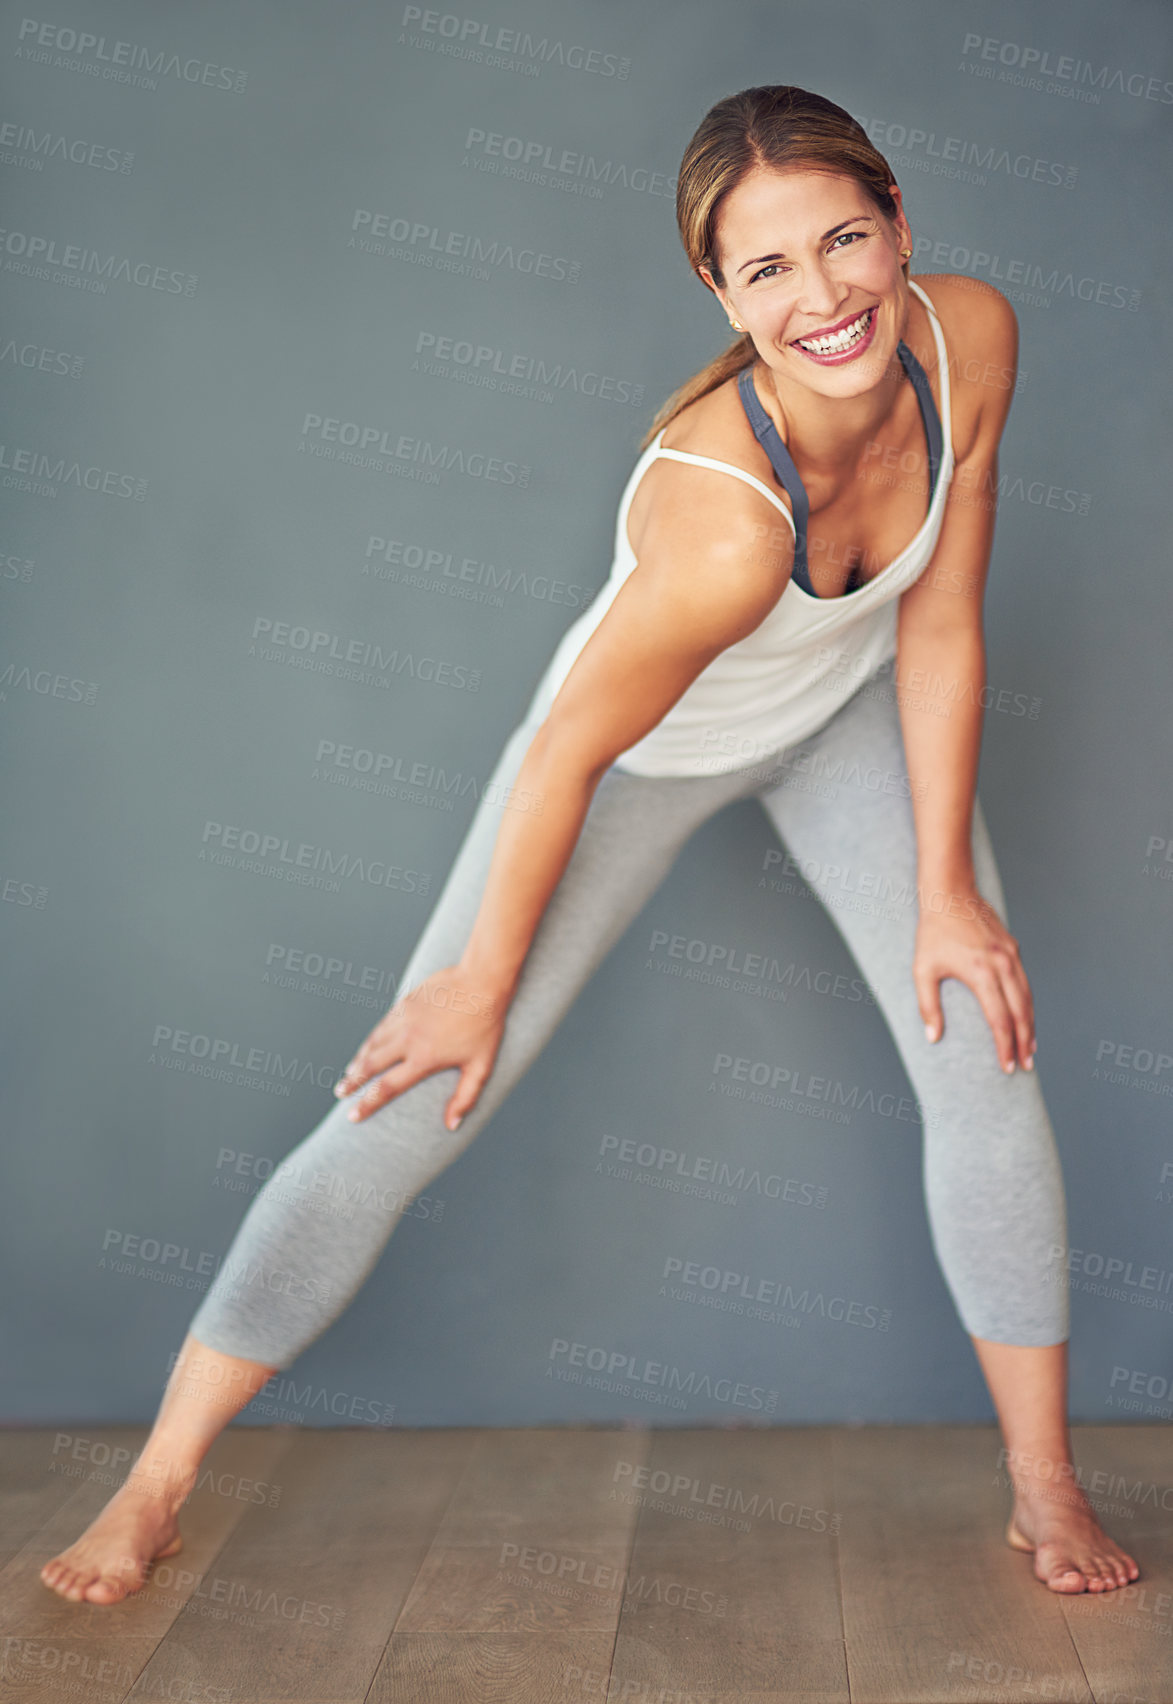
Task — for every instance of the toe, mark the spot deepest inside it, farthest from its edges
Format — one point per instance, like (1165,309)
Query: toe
(1066,1577)
(106,1590)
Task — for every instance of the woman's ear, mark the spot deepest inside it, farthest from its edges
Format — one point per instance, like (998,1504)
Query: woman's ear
(903,232)
(706,277)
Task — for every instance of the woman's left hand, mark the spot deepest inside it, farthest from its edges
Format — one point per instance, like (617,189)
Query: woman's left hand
(967,939)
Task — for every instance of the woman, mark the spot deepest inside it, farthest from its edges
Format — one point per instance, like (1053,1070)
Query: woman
(812,523)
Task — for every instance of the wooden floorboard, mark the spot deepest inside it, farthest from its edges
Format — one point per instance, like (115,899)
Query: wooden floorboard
(519,1596)
(1125,1640)
(752,1565)
(56,1650)
(733,1582)
(34,1481)
(309,1593)
(936,1605)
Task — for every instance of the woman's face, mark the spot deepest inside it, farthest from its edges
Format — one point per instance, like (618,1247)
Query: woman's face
(809,255)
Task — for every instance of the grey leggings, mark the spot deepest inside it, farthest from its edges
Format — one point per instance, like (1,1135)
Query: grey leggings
(992,1180)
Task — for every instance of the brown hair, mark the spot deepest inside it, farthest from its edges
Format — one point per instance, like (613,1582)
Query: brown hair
(775,125)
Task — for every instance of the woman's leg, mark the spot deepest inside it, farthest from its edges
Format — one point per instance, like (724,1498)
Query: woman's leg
(141,1520)
(1029,1388)
(992,1179)
(313,1233)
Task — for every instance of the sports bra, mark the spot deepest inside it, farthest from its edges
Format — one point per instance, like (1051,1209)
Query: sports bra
(768,436)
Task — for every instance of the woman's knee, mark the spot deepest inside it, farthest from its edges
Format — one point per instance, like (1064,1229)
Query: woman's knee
(373,1168)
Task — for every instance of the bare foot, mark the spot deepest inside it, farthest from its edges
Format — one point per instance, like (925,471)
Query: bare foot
(111,1559)
(1072,1551)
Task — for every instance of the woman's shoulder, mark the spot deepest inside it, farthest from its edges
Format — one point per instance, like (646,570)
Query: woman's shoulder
(977,320)
(715,424)
(980,332)
(695,498)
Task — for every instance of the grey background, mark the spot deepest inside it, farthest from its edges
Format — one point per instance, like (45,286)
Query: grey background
(114,928)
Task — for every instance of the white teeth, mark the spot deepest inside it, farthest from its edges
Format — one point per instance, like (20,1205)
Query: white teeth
(840,341)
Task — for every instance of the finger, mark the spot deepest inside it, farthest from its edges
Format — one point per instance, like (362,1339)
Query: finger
(467,1092)
(1016,990)
(381,1049)
(928,999)
(987,985)
(353,1074)
(386,1087)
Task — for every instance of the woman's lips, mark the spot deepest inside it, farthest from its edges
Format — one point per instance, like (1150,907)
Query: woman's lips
(838,358)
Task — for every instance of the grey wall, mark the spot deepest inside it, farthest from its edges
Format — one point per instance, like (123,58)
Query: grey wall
(190,285)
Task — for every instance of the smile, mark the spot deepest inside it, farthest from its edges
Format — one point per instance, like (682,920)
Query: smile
(847,340)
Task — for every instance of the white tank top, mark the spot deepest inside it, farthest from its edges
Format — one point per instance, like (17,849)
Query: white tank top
(788,677)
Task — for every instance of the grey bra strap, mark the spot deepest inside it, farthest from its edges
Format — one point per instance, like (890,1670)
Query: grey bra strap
(767,435)
(928,412)
(781,461)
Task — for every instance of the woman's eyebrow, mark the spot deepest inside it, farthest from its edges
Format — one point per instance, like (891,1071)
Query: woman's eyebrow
(832,232)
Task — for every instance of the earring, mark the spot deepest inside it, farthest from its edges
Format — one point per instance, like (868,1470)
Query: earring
(906,254)
(737,326)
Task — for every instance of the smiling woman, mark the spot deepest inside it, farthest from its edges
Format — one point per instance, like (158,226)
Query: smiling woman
(773,592)
(813,647)
(828,396)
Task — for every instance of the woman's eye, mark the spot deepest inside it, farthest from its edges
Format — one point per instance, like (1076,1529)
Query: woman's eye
(776,270)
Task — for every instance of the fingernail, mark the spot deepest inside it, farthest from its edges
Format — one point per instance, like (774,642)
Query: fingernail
(340,1086)
(353,1115)
(930,1032)
(1009,1067)
(1030,1061)
(455,1125)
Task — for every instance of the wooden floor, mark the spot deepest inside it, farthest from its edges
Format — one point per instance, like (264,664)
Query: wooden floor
(580,1565)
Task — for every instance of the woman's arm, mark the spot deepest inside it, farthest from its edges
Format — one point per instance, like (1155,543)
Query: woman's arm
(704,580)
(940,683)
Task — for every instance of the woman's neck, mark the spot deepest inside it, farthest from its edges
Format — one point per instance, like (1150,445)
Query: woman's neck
(827,435)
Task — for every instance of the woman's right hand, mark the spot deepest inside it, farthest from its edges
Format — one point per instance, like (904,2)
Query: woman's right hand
(450,1019)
